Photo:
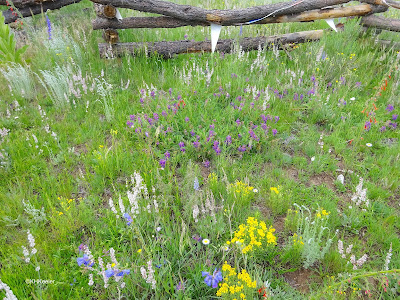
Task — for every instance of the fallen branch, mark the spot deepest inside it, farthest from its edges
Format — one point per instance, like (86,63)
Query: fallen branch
(36,9)
(381,23)
(308,16)
(169,49)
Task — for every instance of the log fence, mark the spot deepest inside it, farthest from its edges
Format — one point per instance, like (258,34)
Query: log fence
(172,15)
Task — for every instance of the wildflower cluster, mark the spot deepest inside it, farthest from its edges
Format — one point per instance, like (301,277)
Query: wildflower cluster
(139,200)
(278,201)
(235,285)
(241,188)
(314,234)
(253,234)
(87,262)
(356,263)
(322,213)
(65,205)
(297,240)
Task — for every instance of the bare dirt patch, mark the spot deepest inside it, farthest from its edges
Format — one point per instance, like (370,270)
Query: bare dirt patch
(322,179)
(300,279)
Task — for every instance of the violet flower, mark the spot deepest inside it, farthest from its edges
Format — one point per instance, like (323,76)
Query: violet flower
(214,279)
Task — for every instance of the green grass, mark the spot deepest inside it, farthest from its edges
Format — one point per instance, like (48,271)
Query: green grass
(68,158)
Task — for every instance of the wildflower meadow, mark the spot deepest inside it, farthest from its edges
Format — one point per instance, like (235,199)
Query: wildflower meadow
(270,174)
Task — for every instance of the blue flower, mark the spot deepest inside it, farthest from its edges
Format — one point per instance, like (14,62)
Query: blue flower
(124,272)
(84,260)
(48,27)
(214,279)
(128,218)
(109,273)
(196,184)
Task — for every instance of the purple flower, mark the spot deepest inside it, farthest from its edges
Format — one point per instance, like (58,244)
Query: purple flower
(393,125)
(192,133)
(394,117)
(228,140)
(155,116)
(389,107)
(81,247)
(164,113)
(274,132)
(197,238)
(367,126)
(109,273)
(186,119)
(180,286)
(162,163)
(242,148)
(48,26)
(132,117)
(214,279)
(196,144)
(238,122)
(206,163)
(383,129)
(253,135)
(167,155)
(212,126)
(358,84)
(181,144)
(296,97)
(128,219)
(276,119)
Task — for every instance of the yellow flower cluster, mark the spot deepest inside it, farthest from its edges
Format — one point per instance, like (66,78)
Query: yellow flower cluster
(212,177)
(253,234)
(235,284)
(241,188)
(322,213)
(275,190)
(65,205)
(297,240)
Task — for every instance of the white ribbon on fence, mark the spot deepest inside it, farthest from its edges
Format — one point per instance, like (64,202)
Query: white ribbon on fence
(215,31)
(331,23)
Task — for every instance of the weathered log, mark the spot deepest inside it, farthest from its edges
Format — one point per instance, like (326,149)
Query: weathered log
(391,3)
(389,44)
(169,22)
(381,23)
(22,3)
(223,17)
(105,11)
(169,49)
(36,9)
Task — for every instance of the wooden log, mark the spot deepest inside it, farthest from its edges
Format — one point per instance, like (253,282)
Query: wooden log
(22,3)
(169,49)
(381,23)
(391,3)
(224,17)
(105,11)
(36,9)
(389,44)
(308,16)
